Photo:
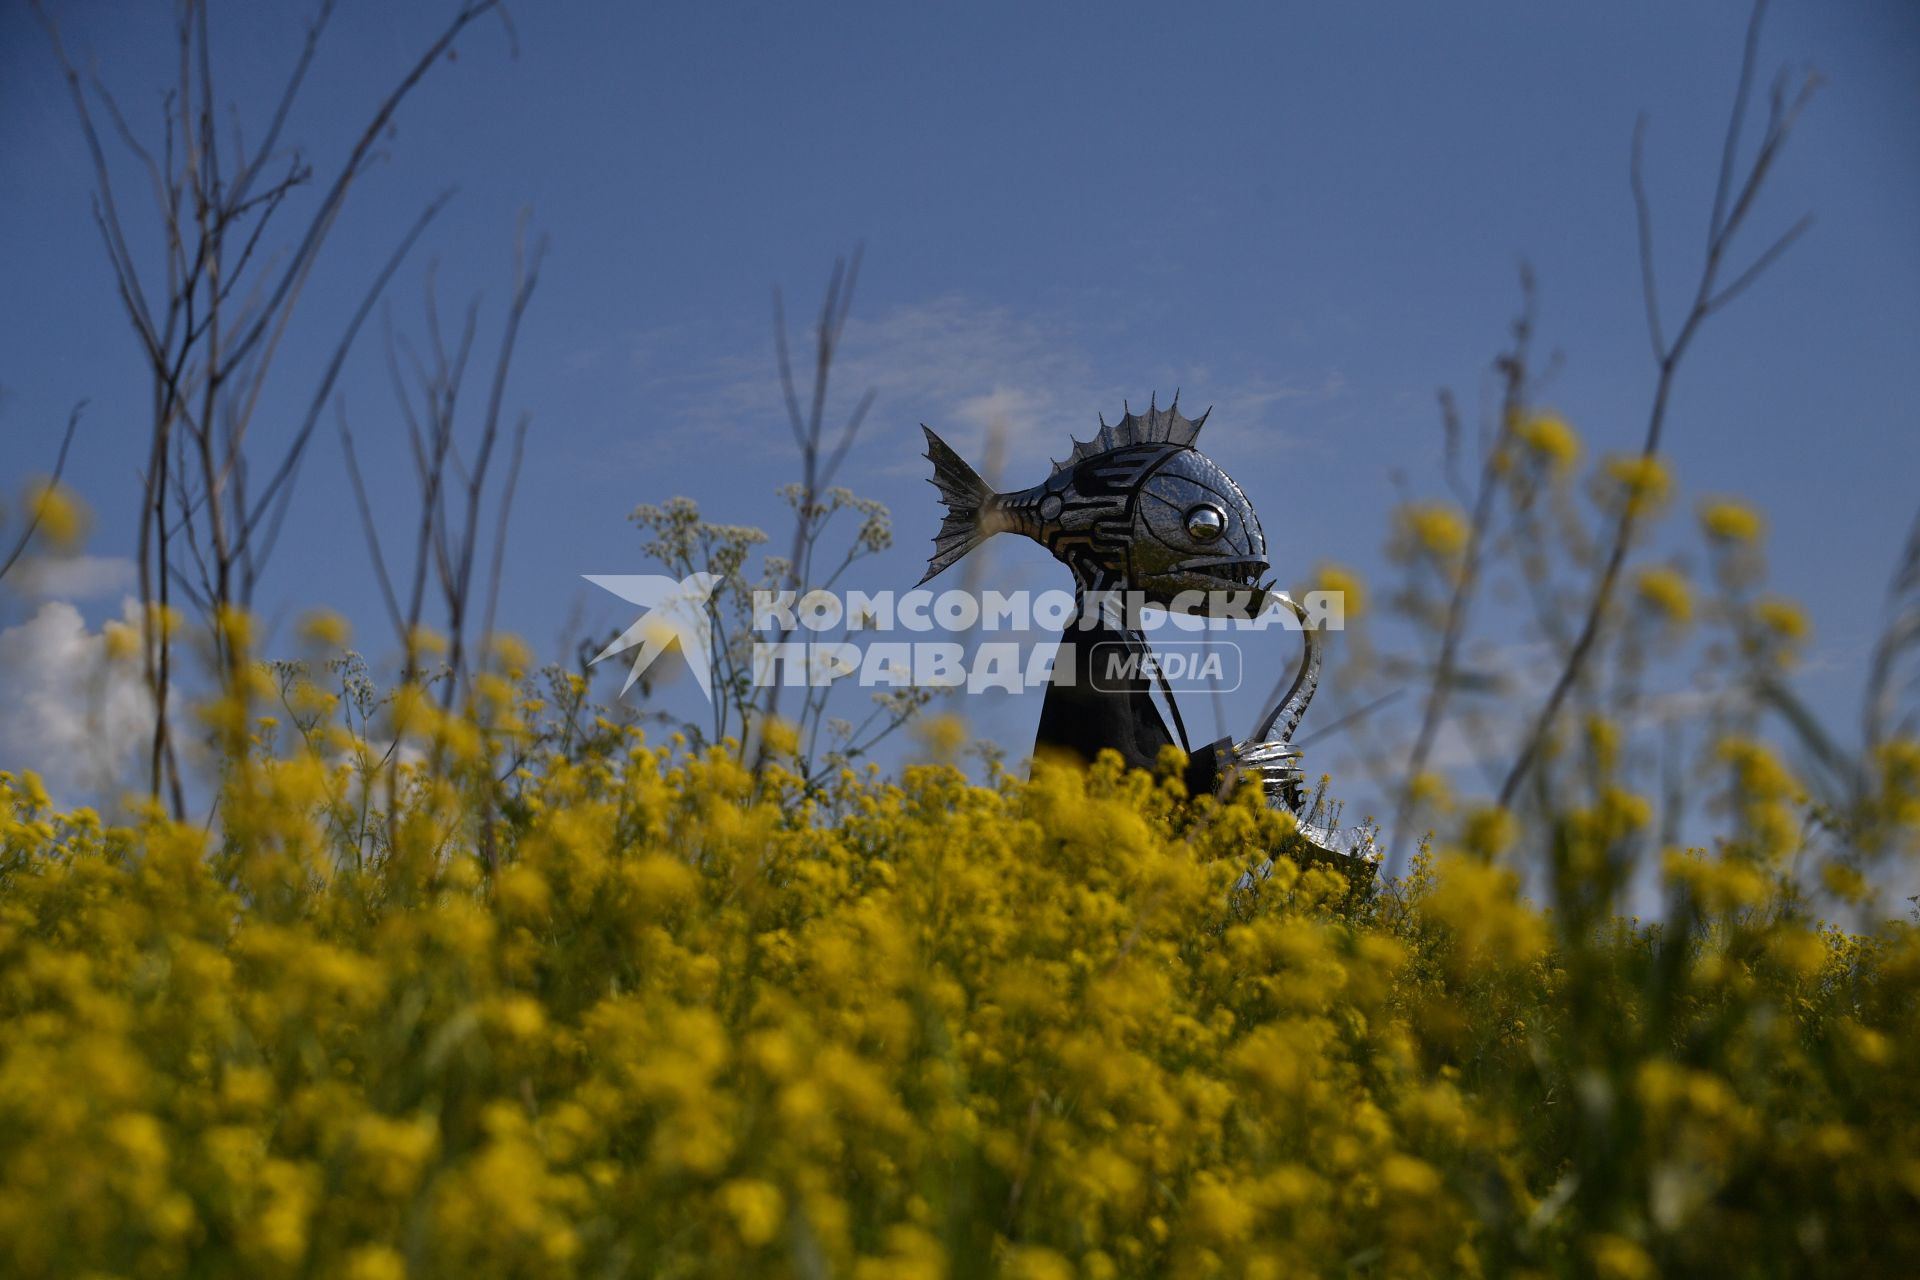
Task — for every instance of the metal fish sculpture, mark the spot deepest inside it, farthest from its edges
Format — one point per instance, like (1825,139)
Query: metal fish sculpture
(1135,508)
(1139,509)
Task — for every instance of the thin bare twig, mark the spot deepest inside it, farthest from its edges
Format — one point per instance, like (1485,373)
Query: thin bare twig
(368,528)
(458,586)
(308,249)
(1513,370)
(1901,634)
(209,339)
(1723,227)
(808,426)
(59,467)
(1643,222)
(290,461)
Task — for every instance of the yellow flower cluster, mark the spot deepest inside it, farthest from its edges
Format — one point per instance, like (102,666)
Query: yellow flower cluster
(1783,618)
(1339,580)
(658,1015)
(1664,589)
(1728,521)
(1435,529)
(1638,482)
(1550,438)
(56,514)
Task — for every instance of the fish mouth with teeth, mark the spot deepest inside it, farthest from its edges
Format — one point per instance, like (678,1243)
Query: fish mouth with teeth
(1237,571)
(1242,580)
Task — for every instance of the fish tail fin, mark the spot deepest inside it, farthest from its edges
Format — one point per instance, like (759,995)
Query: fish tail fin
(967,497)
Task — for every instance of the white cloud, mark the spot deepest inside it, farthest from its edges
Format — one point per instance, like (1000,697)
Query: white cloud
(74,577)
(959,365)
(73,716)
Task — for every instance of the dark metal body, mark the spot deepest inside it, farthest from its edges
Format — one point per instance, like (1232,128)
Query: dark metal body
(1140,509)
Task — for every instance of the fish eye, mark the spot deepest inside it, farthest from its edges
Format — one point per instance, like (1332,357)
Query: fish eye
(1205,523)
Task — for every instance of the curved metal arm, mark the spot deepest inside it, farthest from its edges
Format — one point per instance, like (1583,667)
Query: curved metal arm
(1286,715)
(1279,726)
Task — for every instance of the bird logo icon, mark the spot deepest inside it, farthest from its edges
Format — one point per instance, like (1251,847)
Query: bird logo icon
(676,611)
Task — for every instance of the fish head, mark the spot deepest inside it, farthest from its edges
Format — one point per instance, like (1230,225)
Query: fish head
(1194,535)
(1140,506)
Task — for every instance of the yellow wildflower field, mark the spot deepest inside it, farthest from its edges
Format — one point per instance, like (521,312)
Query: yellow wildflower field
(665,1017)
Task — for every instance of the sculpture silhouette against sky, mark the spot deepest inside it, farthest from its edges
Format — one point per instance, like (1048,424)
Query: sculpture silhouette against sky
(1142,516)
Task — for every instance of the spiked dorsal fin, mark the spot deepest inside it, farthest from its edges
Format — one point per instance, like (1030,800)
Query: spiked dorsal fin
(1155,426)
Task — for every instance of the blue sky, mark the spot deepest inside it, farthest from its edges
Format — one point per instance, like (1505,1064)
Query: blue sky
(1307,216)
